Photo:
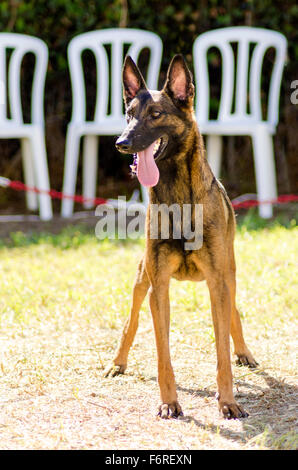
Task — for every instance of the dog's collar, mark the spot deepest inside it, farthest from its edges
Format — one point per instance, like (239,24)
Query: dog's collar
(134,166)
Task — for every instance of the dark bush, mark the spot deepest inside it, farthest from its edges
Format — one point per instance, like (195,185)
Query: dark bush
(178,24)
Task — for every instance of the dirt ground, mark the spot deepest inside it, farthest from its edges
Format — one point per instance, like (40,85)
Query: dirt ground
(68,404)
(32,224)
(54,396)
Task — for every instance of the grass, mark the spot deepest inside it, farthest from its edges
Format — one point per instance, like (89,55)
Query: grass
(63,301)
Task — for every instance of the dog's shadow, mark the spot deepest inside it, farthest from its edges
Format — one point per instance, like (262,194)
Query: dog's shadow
(269,409)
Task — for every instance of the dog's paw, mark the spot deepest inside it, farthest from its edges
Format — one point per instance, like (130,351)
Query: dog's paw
(231,410)
(170,410)
(246,359)
(113,370)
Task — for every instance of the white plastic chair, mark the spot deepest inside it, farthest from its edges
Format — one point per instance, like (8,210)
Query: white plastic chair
(104,123)
(247,84)
(31,134)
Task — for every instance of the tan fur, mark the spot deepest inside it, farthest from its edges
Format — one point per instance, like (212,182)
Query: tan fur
(192,183)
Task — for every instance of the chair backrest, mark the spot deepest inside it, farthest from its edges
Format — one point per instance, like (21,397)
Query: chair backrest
(96,41)
(247,79)
(21,44)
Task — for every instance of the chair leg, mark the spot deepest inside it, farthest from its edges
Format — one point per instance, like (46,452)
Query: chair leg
(90,149)
(265,170)
(31,196)
(214,153)
(72,149)
(41,174)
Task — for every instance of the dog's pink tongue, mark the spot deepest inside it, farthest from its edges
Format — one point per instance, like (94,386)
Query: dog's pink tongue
(147,171)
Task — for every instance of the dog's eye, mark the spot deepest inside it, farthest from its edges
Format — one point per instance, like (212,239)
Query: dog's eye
(129,114)
(155,114)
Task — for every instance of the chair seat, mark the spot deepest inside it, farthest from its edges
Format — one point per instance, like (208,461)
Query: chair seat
(112,126)
(109,119)
(14,131)
(108,126)
(234,128)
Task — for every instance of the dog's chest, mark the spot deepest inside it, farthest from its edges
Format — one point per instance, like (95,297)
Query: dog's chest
(188,270)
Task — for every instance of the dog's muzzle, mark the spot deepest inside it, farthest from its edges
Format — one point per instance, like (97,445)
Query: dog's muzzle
(124,145)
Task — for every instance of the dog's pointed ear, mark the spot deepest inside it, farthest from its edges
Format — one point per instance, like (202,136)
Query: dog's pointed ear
(179,85)
(132,79)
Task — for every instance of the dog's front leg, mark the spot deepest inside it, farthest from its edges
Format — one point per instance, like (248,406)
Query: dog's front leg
(140,290)
(160,310)
(221,315)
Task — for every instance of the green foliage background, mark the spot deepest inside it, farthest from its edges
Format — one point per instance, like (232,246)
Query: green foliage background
(178,24)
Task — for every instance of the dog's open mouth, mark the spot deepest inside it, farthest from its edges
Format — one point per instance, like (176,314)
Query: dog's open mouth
(144,162)
(159,147)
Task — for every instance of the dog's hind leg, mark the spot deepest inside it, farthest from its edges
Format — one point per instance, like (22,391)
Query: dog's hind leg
(140,289)
(241,350)
(245,358)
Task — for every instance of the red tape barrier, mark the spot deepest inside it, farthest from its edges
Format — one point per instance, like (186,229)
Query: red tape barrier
(19,186)
(283,199)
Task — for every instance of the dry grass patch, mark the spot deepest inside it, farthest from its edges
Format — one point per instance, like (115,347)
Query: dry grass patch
(62,311)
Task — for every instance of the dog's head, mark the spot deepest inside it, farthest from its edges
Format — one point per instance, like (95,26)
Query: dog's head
(157,120)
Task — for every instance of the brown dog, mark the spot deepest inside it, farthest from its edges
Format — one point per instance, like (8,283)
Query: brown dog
(162,130)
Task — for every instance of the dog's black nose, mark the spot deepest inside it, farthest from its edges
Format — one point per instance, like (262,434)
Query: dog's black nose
(123,145)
